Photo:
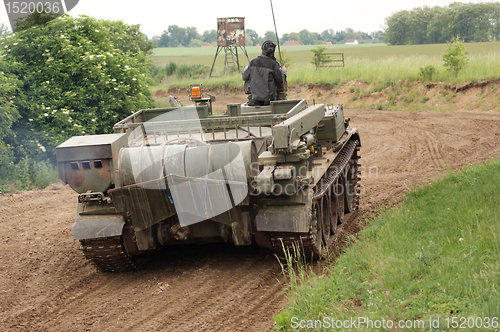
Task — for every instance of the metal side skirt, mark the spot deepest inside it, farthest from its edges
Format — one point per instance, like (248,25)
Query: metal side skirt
(93,227)
(284,219)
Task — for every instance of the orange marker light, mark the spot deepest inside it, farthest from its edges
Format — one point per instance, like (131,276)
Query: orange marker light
(195,92)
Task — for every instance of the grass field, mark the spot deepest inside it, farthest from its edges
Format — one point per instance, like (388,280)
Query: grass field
(434,259)
(175,52)
(371,63)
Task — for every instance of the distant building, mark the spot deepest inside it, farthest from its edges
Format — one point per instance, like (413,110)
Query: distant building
(291,43)
(328,43)
(351,42)
(207,45)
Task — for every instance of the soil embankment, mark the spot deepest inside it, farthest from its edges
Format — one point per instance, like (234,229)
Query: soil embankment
(481,96)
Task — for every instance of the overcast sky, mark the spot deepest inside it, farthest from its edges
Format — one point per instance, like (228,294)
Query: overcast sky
(291,16)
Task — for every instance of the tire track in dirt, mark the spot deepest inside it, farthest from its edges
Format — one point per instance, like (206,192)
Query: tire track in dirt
(238,292)
(263,304)
(252,302)
(46,284)
(243,298)
(434,150)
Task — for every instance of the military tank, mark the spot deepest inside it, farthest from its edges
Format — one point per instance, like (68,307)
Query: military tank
(279,176)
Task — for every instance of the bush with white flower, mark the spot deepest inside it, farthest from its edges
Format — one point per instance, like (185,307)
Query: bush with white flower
(77,77)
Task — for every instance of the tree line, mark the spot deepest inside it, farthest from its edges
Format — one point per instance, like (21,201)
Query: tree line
(425,25)
(176,36)
(305,37)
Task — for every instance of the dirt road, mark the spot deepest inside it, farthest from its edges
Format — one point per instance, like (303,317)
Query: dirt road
(46,284)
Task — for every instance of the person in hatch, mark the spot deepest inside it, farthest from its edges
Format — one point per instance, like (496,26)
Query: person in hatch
(264,76)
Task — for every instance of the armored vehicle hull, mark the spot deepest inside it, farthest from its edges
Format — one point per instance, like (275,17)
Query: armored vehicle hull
(278,176)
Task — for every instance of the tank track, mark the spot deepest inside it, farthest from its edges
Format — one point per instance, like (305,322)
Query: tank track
(108,254)
(306,242)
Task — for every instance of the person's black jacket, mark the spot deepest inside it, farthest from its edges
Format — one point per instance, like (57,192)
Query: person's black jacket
(264,74)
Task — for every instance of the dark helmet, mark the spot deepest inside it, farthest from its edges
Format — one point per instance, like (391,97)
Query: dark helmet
(268,48)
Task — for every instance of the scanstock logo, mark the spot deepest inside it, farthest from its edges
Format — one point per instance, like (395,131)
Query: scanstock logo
(19,11)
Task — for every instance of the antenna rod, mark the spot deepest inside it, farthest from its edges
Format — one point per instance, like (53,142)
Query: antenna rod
(276,31)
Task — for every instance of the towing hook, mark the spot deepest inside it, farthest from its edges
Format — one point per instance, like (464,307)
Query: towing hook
(179,232)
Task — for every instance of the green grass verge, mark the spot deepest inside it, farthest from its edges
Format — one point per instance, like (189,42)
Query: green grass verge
(435,257)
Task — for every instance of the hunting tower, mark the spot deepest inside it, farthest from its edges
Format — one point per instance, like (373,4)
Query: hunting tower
(230,37)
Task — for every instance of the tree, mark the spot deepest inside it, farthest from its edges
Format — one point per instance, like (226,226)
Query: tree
(269,35)
(248,39)
(34,19)
(128,38)
(176,34)
(285,37)
(328,35)
(437,30)
(4,29)
(350,33)
(191,33)
(418,21)
(460,23)
(284,59)
(209,36)
(397,26)
(74,80)
(340,36)
(9,88)
(455,58)
(424,25)
(306,38)
(479,22)
(316,37)
(378,35)
(495,21)
(318,56)
(254,36)
(155,40)
(164,40)
(294,36)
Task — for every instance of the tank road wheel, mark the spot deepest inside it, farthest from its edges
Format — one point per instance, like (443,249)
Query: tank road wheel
(333,211)
(326,216)
(351,180)
(349,188)
(338,190)
(322,216)
(317,215)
